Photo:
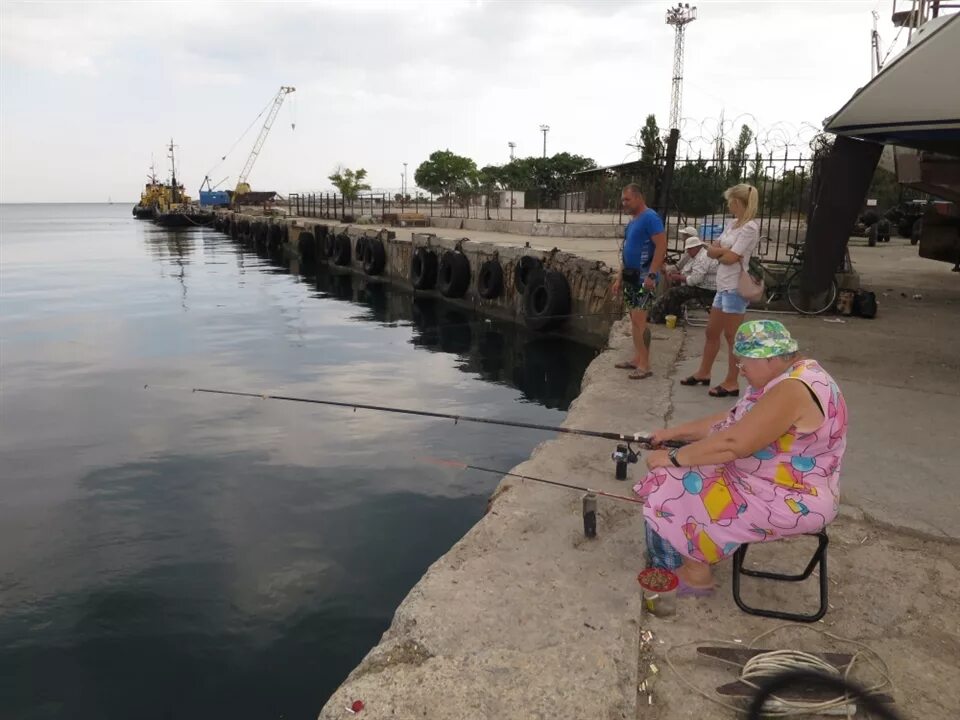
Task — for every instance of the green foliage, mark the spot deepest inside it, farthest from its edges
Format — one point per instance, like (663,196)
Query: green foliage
(737,156)
(447,174)
(349,182)
(885,188)
(651,146)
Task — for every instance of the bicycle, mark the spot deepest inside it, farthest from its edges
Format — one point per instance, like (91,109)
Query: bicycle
(789,284)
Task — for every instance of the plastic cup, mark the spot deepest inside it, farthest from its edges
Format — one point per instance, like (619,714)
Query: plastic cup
(671,321)
(659,589)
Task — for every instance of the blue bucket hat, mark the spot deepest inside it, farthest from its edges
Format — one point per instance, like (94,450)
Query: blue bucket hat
(763,339)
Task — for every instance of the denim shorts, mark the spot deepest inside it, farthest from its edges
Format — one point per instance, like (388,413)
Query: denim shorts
(730,302)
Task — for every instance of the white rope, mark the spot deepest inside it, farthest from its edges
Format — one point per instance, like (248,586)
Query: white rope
(771,663)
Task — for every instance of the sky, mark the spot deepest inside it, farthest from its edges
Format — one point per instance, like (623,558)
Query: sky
(91,92)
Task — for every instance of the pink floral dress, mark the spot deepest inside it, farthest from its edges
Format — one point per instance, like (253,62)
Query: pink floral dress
(788,488)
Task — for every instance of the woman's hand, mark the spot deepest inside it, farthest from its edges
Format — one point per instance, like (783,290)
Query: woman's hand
(657,459)
(714,250)
(617,284)
(659,437)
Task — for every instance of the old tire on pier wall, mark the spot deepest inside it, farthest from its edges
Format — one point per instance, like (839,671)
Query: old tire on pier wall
(276,237)
(320,232)
(245,228)
(490,280)
(423,269)
(307,247)
(217,223)
(260,233)
(546,300)
(359,246)
(234,228)
(330,245)
(453,275)
(374,256)
(525,267)
(225,225)
(342,254)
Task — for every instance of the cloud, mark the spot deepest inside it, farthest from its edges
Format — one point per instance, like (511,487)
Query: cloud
(380,84)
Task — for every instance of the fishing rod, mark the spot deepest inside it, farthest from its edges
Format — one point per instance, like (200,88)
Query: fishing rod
(637,438)
(466,466)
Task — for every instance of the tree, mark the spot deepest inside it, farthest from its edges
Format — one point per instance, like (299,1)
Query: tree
(446,174)
(737,155)
(349,182)
(650,146)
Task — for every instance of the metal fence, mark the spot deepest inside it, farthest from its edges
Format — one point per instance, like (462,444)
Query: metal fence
(695,197)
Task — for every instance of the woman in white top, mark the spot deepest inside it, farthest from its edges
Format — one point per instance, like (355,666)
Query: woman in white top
(733,250)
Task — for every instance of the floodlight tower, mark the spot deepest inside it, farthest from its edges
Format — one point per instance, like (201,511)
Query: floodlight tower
(679,16)
(513,146)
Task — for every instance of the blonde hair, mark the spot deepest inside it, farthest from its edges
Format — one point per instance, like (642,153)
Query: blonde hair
(748,195)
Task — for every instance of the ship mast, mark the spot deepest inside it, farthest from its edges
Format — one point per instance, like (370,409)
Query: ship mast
(173,175)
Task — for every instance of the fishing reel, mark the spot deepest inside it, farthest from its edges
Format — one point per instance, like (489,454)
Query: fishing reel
(623,456)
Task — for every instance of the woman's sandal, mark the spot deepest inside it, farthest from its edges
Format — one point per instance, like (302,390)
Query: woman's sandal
(694,380)
(640,374)
(690,591)
(721,392)
(625,366)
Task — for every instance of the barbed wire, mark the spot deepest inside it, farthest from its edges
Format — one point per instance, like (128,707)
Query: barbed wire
(712,137)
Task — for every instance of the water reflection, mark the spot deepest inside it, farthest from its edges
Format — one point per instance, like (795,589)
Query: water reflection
(164,554)
(546,369)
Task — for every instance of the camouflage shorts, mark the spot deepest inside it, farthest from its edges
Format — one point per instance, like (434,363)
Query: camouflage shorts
(636,297)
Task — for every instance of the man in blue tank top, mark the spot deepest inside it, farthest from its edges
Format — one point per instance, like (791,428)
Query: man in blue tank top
(644,249)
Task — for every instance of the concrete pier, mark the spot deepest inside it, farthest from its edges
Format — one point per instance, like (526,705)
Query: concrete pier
(527,618)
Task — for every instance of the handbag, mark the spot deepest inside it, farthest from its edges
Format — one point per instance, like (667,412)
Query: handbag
(750,288)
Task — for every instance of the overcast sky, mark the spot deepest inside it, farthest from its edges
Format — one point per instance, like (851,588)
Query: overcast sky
(89,92)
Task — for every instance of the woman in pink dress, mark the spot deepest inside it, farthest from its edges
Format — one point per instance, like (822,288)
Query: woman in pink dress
(768,469)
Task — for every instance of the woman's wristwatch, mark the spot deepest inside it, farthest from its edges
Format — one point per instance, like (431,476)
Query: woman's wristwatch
(673,457)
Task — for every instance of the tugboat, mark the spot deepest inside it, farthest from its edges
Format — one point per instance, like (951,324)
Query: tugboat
(151,198)
(176,210)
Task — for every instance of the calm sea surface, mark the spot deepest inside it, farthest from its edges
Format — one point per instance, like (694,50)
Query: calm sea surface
(165,554)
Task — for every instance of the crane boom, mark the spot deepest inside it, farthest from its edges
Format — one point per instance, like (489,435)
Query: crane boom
(262,137)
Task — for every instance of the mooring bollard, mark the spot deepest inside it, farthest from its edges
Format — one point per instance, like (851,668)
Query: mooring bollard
(590,515)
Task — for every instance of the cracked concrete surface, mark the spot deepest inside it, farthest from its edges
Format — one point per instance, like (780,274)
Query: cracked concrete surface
(525,618)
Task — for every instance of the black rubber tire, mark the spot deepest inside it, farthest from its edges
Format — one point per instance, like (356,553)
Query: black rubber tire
(359,247)
(307,247)
(225,226)
(234,229)
(453,274)
(915,231)
(217,223)
(525,267)
(490,280)
(260,234)
(330,245)
(276,236)
(872,232)
(374,256)
(546,300)
(342,255)
(423,269)
(819,304)
(245,230)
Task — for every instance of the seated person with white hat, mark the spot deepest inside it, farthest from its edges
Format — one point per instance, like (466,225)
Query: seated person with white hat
(694,277)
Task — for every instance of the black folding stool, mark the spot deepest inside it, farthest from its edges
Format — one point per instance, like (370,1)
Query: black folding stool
(819,560)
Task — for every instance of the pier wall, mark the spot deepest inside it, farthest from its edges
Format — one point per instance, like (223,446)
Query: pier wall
(592,306)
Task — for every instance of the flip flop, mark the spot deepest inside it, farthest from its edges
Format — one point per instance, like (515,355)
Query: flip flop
(694,380)
(640,375)
(689,591)
(625,366)
(721,392)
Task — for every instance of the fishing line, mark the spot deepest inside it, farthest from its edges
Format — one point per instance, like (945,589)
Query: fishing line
(494,471)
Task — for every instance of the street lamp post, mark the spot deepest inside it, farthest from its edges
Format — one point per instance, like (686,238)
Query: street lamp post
(544,129)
